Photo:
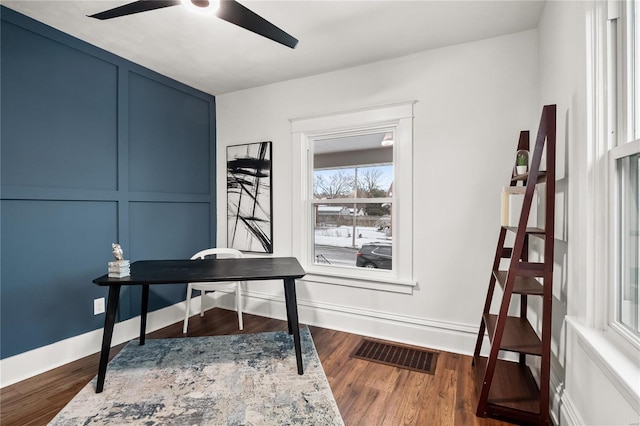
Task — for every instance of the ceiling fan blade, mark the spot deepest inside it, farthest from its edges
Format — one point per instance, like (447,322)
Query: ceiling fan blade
(234,12)
(135,7)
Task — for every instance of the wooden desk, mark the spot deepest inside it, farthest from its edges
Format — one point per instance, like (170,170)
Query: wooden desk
(163,272)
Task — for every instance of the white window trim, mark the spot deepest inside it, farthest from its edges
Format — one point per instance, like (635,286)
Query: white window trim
(603,104)
(610,347)
(595,224)
(398,116)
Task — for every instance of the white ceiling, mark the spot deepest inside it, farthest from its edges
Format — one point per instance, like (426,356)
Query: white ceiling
(218,57)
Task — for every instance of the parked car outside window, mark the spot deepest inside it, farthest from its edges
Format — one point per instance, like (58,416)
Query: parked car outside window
(375,255)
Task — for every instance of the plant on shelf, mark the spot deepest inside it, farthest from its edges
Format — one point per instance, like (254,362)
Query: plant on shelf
(522,161)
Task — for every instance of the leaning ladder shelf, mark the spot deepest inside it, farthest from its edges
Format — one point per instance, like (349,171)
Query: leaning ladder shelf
(507,389)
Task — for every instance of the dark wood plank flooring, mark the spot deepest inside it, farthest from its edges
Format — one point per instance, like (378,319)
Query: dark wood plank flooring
(367,393)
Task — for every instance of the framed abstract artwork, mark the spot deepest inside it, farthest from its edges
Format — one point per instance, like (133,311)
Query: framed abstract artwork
(249,201)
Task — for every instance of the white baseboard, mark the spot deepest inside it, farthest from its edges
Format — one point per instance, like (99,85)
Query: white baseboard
(446,336)
(569,416)
(556,385)
(40,360)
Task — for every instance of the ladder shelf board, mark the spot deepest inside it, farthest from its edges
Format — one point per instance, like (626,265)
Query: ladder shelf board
(522,285)
(542,177)
(530,269)
(538,232)
(506,252)
(514,394)
(518,335)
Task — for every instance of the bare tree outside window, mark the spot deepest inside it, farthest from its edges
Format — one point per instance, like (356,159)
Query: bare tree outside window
(370,182)
(338,184)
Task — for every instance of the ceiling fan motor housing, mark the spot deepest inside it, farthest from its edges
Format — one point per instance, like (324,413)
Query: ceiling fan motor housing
(202,6)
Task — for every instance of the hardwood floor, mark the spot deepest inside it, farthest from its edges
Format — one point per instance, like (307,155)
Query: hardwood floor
(367,393)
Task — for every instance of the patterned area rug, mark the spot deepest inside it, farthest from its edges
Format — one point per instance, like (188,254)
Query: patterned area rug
(247,379)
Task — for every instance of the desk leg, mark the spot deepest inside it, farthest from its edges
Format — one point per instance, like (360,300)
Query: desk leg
(292,318)
(143,312)
(109,322)
(287,297)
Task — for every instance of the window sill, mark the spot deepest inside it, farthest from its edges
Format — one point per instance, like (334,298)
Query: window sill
(388,284)
(611,355)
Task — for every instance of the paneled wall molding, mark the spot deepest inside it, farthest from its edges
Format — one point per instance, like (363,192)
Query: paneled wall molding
(95,150)
(621,368)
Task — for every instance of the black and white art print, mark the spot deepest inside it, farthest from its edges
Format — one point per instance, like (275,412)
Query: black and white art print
(249,202)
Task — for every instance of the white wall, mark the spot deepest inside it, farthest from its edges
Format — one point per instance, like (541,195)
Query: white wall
(473,100)
(587,390)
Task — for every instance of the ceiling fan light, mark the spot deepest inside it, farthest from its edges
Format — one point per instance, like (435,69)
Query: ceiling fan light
(203,7)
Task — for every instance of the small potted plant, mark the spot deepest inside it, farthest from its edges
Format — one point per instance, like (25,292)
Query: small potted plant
(522,162)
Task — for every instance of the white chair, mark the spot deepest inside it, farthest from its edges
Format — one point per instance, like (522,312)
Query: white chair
(219,253)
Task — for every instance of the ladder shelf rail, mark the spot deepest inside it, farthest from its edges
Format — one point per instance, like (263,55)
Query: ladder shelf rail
(515,334)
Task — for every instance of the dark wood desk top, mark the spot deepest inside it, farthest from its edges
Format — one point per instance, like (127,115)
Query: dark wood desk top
(207,270)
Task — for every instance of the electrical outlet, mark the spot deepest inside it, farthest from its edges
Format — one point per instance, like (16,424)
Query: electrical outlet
(98,306)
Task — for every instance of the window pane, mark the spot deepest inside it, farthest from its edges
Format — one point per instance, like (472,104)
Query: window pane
(628,309)
(375,181)
(353,235)
(334,183)
(342,163)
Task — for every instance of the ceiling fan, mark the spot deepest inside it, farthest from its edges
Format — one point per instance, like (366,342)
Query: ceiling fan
(229,10)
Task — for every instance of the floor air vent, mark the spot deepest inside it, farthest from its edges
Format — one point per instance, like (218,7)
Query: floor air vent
(420,360)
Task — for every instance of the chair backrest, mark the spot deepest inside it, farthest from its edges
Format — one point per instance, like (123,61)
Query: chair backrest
(220,253)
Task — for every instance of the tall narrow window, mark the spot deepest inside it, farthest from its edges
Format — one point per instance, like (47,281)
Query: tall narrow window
(624,155)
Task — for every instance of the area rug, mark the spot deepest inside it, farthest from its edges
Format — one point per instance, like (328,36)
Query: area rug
(246,379)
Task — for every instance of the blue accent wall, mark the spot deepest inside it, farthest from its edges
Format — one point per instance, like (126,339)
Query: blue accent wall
(94,149)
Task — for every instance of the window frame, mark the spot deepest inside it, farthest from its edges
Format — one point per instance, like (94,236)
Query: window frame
(397,117)
(593,261)
(623,131)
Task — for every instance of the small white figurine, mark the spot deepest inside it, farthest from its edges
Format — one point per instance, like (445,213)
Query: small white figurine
(117,251)
(120,268)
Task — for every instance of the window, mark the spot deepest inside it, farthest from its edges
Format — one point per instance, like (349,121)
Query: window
(352,200)
(628,175)
(353,222)
(624,162)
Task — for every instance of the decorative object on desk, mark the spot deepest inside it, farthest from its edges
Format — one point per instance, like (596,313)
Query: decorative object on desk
(522,161)
(247,379)
(120,268)
(249,201)
(118,254)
